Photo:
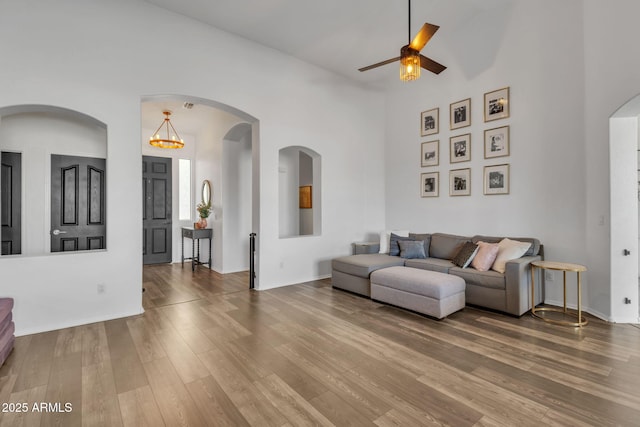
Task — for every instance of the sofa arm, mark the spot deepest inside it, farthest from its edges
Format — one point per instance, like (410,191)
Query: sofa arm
(366,248)
(518,281)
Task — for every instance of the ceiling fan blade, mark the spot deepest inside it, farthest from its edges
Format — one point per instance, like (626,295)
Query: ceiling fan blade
(431,65)
(388,61)
(424,35)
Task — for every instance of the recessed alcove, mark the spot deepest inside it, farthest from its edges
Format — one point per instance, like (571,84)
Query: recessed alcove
(47,209)
(300,210)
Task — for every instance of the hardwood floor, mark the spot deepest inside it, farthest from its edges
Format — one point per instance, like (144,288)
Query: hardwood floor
(209,352)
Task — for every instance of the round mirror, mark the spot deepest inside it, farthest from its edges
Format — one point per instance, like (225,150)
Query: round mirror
(206,192)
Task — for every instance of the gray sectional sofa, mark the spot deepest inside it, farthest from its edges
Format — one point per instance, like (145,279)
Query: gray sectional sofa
(508,292)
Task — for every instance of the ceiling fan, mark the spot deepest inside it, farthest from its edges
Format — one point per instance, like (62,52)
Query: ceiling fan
(410,58)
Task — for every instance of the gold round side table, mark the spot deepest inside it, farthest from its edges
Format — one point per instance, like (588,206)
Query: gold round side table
(564,267)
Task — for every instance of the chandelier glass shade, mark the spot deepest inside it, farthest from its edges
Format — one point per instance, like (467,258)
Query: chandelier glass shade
(166,136)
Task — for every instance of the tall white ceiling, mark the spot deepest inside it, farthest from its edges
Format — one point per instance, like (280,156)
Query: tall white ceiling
(340,35)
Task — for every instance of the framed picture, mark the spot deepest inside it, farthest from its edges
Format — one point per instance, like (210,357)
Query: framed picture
(305,197)
(496,104)
(429,184)
(460,182)
(430,153)
(460,148)
(496,142)
(429,122)
(496,179)
(460,114)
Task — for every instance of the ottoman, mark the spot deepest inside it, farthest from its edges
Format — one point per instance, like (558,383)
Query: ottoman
(428,292)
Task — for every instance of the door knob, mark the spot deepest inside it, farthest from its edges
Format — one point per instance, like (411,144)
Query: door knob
(56,232)
(626,252)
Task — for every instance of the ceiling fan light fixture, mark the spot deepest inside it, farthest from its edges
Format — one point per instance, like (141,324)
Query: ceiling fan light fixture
(172,139)
(409,64)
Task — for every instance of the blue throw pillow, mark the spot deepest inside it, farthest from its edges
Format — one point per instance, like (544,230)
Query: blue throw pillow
(394,249)
(412,249)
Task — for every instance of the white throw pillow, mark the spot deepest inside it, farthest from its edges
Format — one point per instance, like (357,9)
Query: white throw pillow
(385,239)
(508,250)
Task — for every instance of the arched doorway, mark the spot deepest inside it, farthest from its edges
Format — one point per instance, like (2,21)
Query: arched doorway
(208,162)
(624,146)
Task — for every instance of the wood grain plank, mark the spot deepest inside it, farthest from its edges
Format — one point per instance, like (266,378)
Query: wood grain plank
(65,386)
(36,366)
(100,405)
(214,404)
(126,365)
(147,344)
(294,407)
(175,404)
(31,417)
(139,408)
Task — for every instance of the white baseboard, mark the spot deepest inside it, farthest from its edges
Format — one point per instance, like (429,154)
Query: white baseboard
(76,322)
(589,310)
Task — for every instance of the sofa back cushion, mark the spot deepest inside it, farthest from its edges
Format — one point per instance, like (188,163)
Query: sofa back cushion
(533,250)
(446,246)
(426,238)
(394,248)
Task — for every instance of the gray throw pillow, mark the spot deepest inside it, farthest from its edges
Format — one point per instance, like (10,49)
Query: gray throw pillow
(426,238)
(411,249)
(394,249)
(465,255)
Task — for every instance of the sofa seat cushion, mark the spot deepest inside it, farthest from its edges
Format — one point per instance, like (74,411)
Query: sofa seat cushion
(433,264)
(486,279)
(420,282)
(363,265)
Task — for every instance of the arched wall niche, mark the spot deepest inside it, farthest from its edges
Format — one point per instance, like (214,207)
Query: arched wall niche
(300,192)
(33,134)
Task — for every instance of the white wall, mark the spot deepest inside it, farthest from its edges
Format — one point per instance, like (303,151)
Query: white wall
(539,55)
(236,196)
(611,79)
(209,165)
(69,54)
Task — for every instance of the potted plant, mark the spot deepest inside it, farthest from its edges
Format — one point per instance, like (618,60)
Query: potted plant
(204,210)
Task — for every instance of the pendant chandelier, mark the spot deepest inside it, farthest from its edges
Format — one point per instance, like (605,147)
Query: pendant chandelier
(172,139)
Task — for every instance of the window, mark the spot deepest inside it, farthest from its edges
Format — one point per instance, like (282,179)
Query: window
(184,190)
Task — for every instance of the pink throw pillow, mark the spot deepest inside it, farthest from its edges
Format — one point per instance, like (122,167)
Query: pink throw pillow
(487,253)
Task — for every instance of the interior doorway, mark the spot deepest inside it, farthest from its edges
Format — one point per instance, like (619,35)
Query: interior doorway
(624,143)
(11,203)
(156,210)
(78,203)
(222,145)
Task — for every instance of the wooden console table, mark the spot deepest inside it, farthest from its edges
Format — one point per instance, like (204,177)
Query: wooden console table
(195,234)
(564,267)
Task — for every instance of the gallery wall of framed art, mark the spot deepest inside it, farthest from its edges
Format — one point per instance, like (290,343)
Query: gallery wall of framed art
(496,144)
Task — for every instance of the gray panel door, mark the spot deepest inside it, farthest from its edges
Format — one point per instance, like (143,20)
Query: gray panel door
(11,202)
(78,207)
(156,210)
